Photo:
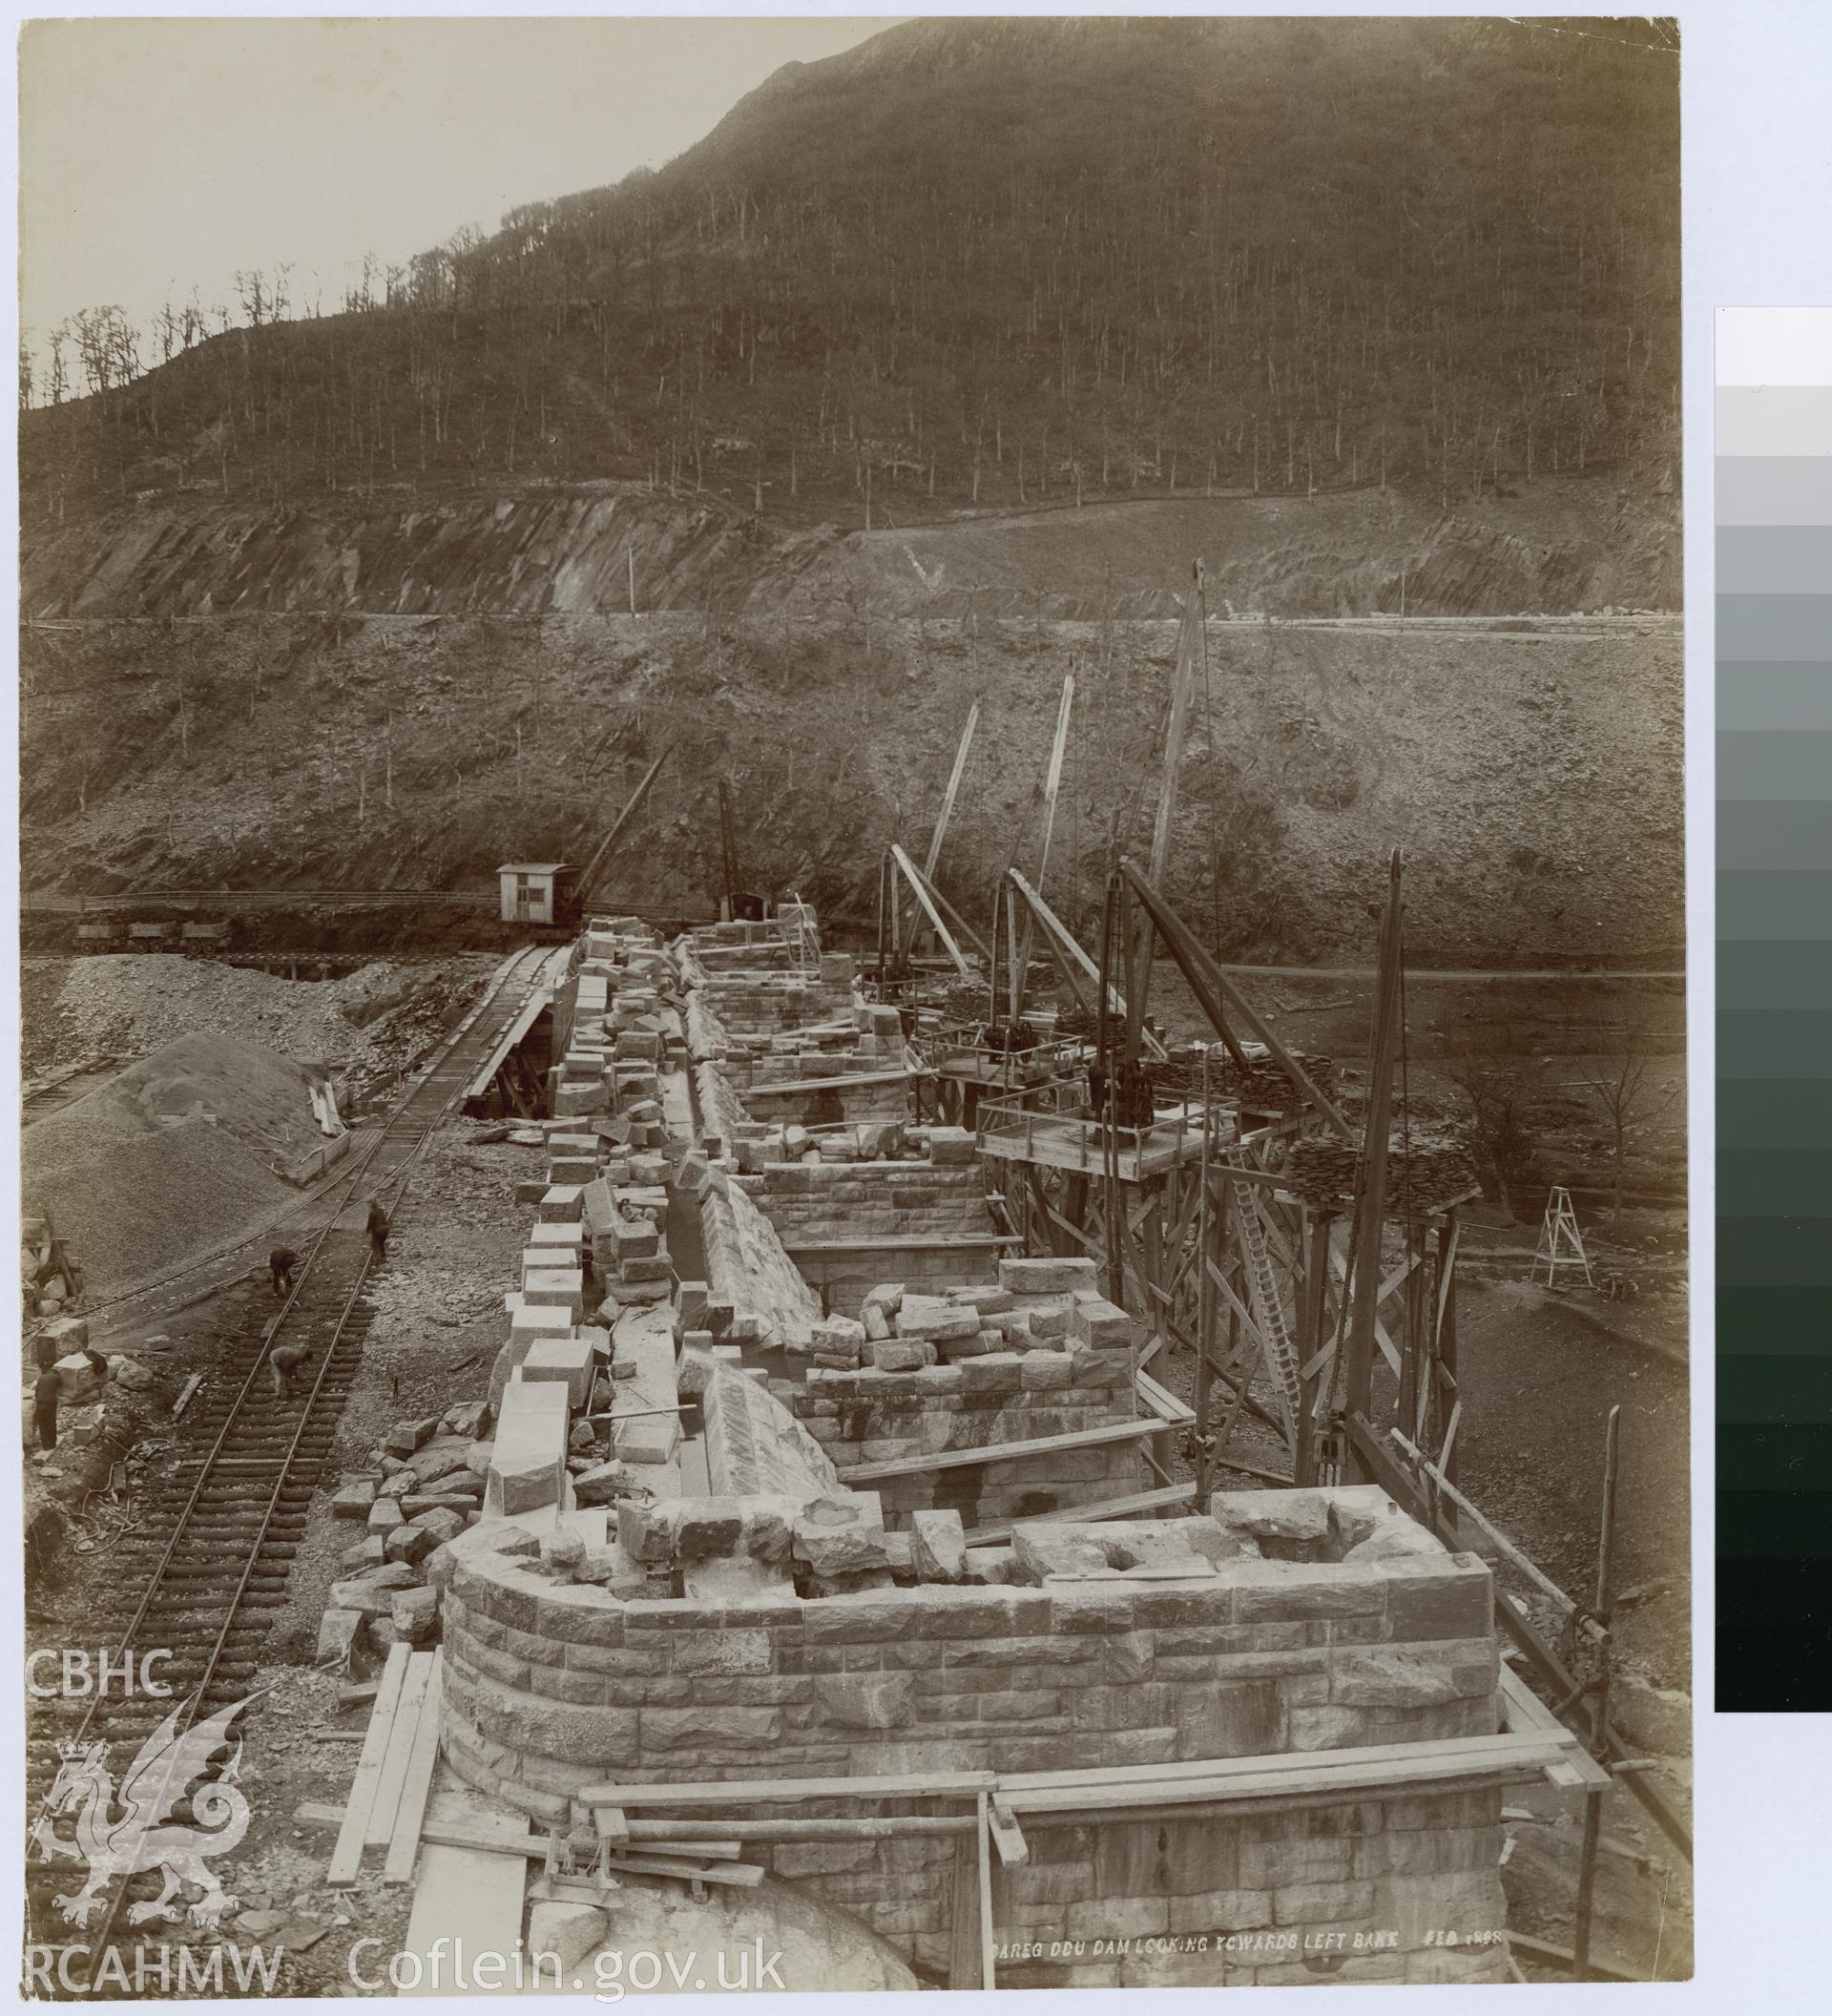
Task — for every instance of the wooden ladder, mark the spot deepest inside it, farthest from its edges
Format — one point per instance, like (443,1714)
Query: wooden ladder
(1268,1310)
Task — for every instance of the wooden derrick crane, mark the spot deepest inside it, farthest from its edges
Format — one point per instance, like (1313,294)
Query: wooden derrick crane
(738,901)
(593,873)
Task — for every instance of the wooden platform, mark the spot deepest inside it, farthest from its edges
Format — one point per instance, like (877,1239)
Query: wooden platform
(1064,1141)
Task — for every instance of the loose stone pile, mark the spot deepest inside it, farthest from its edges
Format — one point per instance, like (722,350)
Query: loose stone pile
(1038,1307)
(424,1486)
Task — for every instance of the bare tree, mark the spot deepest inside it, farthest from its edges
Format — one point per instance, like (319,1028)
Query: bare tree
(1619,1085)
(124,345)
(1501,1095)
(24,373)
(108,345)
(252,290)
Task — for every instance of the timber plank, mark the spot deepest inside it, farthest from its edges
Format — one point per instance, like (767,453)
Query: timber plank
(1002,1451)
(1094,1508)
(1295,1763)
(380,1828)
(464,1894)
(411,1812)
(346,1857)
(756,1791)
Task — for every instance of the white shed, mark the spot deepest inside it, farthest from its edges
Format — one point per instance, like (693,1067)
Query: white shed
(530,888)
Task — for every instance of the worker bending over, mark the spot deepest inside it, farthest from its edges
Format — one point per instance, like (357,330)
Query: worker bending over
(282,1362)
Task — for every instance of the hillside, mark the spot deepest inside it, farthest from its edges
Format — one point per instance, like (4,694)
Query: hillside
(1561,544)
(999,265)
(1535,779)
(922,380)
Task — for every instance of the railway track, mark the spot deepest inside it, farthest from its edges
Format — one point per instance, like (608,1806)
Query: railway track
(208,1563)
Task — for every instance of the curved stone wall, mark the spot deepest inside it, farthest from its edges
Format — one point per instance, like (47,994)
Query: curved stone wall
(553,1686)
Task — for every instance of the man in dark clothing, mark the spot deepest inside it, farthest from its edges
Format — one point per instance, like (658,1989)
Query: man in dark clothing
(46,1392)
(281,1261)
(44,1409)
(377,1231)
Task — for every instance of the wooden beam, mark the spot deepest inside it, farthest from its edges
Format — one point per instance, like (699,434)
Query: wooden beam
(1074,950)
(743,1876)
(1008,1837)
(932,857)
(1093,1508)
(1563,1957)
(922,897)
(940,833)
(1052,786)
(1388,1350)
(1364,1289)
(411,1811)
(1189,643)
(1387,1471)
(595,868)
(1211,987)
(962,930)
(756,1791)
(1364,1768)
(1000,1451)
(1498,1539)
(963,1918)
(380,1829)
(346,1857)
(984,1865)
(1189,646)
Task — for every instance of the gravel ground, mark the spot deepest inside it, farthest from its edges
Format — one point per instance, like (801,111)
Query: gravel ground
(439,1322)
(1541,1372)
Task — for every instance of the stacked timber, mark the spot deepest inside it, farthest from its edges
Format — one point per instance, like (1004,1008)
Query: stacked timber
(1425,1171)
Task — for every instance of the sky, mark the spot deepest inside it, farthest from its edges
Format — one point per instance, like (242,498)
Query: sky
(158,155)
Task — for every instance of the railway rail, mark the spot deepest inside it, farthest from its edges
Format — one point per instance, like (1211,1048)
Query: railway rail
(210,1561)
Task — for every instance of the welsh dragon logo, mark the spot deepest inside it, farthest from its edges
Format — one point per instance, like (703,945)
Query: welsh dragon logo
(142,1835)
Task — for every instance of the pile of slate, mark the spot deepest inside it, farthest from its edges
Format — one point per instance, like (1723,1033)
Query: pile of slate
(1425,1172)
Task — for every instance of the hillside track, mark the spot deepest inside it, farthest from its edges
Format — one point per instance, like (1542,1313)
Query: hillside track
(207,1563)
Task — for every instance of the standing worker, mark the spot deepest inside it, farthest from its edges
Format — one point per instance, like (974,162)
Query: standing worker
(377,1231)
(45,1392)
(44,1412)
(281,1262)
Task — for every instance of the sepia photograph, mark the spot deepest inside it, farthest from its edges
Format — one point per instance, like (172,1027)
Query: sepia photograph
(853,987)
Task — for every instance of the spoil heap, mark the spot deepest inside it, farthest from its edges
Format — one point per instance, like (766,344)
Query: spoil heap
(366,1026)
(177,1157)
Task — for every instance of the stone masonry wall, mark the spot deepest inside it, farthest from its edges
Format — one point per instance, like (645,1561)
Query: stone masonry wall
(809,1203)
(745,1261)
(1038,1353)
(553,1686)
(871,1093)
(721,1110)
(749,1002)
